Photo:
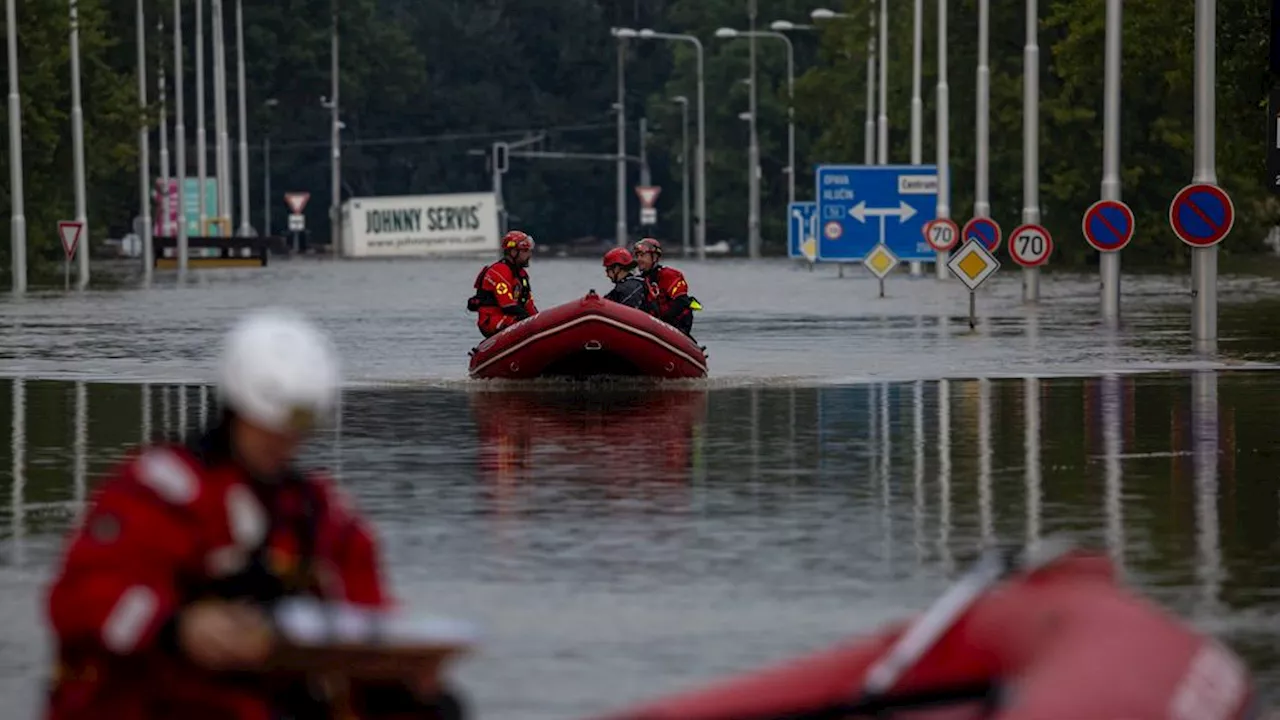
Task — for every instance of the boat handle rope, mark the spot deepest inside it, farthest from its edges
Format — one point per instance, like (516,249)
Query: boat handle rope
(992,567)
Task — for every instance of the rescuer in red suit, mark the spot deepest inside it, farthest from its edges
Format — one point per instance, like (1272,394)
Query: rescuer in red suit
(503,296)
(668,290)
(160,607)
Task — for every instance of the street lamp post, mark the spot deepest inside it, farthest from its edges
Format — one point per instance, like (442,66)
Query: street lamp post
(869,136)
(684,170)
(791,82)
(700,227)
(144,147)
(245,227)
(17,218)
(620,229)
(266,173)
(335,209)
(202,147)
(77,150)
(180,139)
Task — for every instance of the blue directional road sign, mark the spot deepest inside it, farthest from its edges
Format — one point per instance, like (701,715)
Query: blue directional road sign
(860,206)
(801,228)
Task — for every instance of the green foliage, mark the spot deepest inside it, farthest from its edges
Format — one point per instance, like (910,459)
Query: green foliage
(484,70)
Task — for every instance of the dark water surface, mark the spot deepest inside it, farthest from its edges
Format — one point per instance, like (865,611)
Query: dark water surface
(625,541)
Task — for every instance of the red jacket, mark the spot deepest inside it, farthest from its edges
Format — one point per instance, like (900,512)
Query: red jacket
(669,295)
(174,524)
(503,297)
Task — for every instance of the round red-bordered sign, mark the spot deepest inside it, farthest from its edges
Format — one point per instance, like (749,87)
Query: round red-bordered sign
(833,230)
(984,230)
(1030,245)
(1107,225)
(1201,215)
(942,234)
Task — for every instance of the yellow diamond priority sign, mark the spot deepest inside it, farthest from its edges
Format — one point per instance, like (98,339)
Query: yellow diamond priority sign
(973,264)
(880,261)
(809,248)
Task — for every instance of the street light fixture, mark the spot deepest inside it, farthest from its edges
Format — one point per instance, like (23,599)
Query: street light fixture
(650,34)
(869,146)
(725,32)
(785,25)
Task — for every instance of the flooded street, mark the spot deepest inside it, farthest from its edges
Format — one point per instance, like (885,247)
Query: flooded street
(847,455)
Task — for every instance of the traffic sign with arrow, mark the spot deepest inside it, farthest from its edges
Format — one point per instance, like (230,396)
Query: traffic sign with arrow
(851,197)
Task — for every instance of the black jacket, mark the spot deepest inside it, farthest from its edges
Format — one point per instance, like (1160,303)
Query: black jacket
(632,291)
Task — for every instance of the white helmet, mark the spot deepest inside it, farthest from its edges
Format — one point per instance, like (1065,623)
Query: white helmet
(278,370)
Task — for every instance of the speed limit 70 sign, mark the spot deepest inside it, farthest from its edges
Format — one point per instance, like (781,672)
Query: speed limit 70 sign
(1030,245)
(941,234)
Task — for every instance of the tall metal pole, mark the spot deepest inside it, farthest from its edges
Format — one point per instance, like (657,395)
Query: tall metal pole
(943,131)
(202,147)
(791,117)
(753,152)
(77,151)
(870,139)
(917,103)
(1031,143)
(144,148)
(17,213)
(621,227)
(266,185)
(684,173)
(335,210)
(245,227)
(1204,261)
(643,135)
(701,192)
(981,204)
(180,139)
(1109,262)
(220,160)
(166,203)
(882,151)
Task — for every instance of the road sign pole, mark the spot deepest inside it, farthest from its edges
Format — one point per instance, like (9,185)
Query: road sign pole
(1031,146)
(943,131)
(179,142)
(144,148)
(17,216)
(1204,260)
(620,229)
(882,126)
(77,142)
(981,203)
(1109,262)
(973,310)
(917,104)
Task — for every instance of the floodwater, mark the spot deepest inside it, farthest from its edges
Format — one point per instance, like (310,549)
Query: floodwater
(848,456)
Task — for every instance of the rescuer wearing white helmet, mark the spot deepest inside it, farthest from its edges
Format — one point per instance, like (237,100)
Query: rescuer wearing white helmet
(164,587)
(278,377)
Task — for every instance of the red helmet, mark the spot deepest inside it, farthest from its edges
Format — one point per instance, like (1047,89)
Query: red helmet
(516,241)
(648,245)
(619,256)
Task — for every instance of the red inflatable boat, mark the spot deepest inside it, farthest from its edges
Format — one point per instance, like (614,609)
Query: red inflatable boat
(1060,642)
(589,337)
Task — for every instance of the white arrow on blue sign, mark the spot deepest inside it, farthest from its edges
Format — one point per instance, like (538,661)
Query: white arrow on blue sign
(801,227)
(860,206)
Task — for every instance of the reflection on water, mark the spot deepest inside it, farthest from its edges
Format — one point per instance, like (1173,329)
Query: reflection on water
(625,541)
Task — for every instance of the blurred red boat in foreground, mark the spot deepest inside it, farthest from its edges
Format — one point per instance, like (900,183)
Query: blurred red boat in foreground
(589,337)
(1057,641)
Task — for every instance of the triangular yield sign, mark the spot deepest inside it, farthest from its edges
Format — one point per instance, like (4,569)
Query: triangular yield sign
(648,194)
(297,201)
(69,231)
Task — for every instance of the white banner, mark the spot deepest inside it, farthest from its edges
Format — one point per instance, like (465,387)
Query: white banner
(454,224)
